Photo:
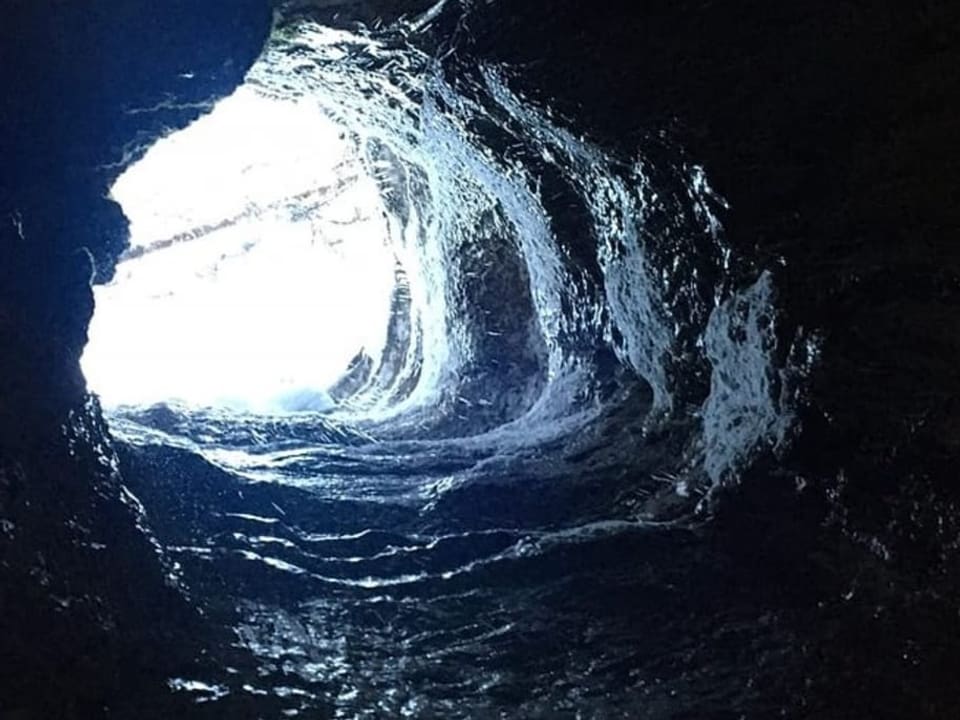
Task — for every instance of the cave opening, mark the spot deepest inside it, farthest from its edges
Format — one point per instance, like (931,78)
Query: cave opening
(260,263)
(601,441)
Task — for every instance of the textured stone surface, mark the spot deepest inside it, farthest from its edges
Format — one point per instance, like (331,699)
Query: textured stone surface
(90,619)
(829,126)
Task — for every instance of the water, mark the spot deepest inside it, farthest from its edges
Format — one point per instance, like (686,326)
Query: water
(507,513)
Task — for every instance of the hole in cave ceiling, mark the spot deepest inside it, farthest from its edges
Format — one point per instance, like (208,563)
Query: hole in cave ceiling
(259,264)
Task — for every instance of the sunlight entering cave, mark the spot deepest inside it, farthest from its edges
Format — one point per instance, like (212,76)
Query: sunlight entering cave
(259,264)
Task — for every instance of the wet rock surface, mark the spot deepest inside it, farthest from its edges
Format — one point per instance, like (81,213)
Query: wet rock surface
(827,126)
(91,622)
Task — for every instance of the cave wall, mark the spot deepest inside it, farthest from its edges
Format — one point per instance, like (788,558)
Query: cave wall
(827,125)
(90,613)
(84,91)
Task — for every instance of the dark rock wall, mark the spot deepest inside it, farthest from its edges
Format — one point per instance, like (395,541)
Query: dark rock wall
(830,127)
(84,91)
(90,617)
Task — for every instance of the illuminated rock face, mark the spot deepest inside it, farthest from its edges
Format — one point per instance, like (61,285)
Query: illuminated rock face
(802,129)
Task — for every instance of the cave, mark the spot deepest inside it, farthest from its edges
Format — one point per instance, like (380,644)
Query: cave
(377,359)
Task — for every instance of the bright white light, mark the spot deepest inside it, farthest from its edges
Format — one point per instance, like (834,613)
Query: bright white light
(264,264)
